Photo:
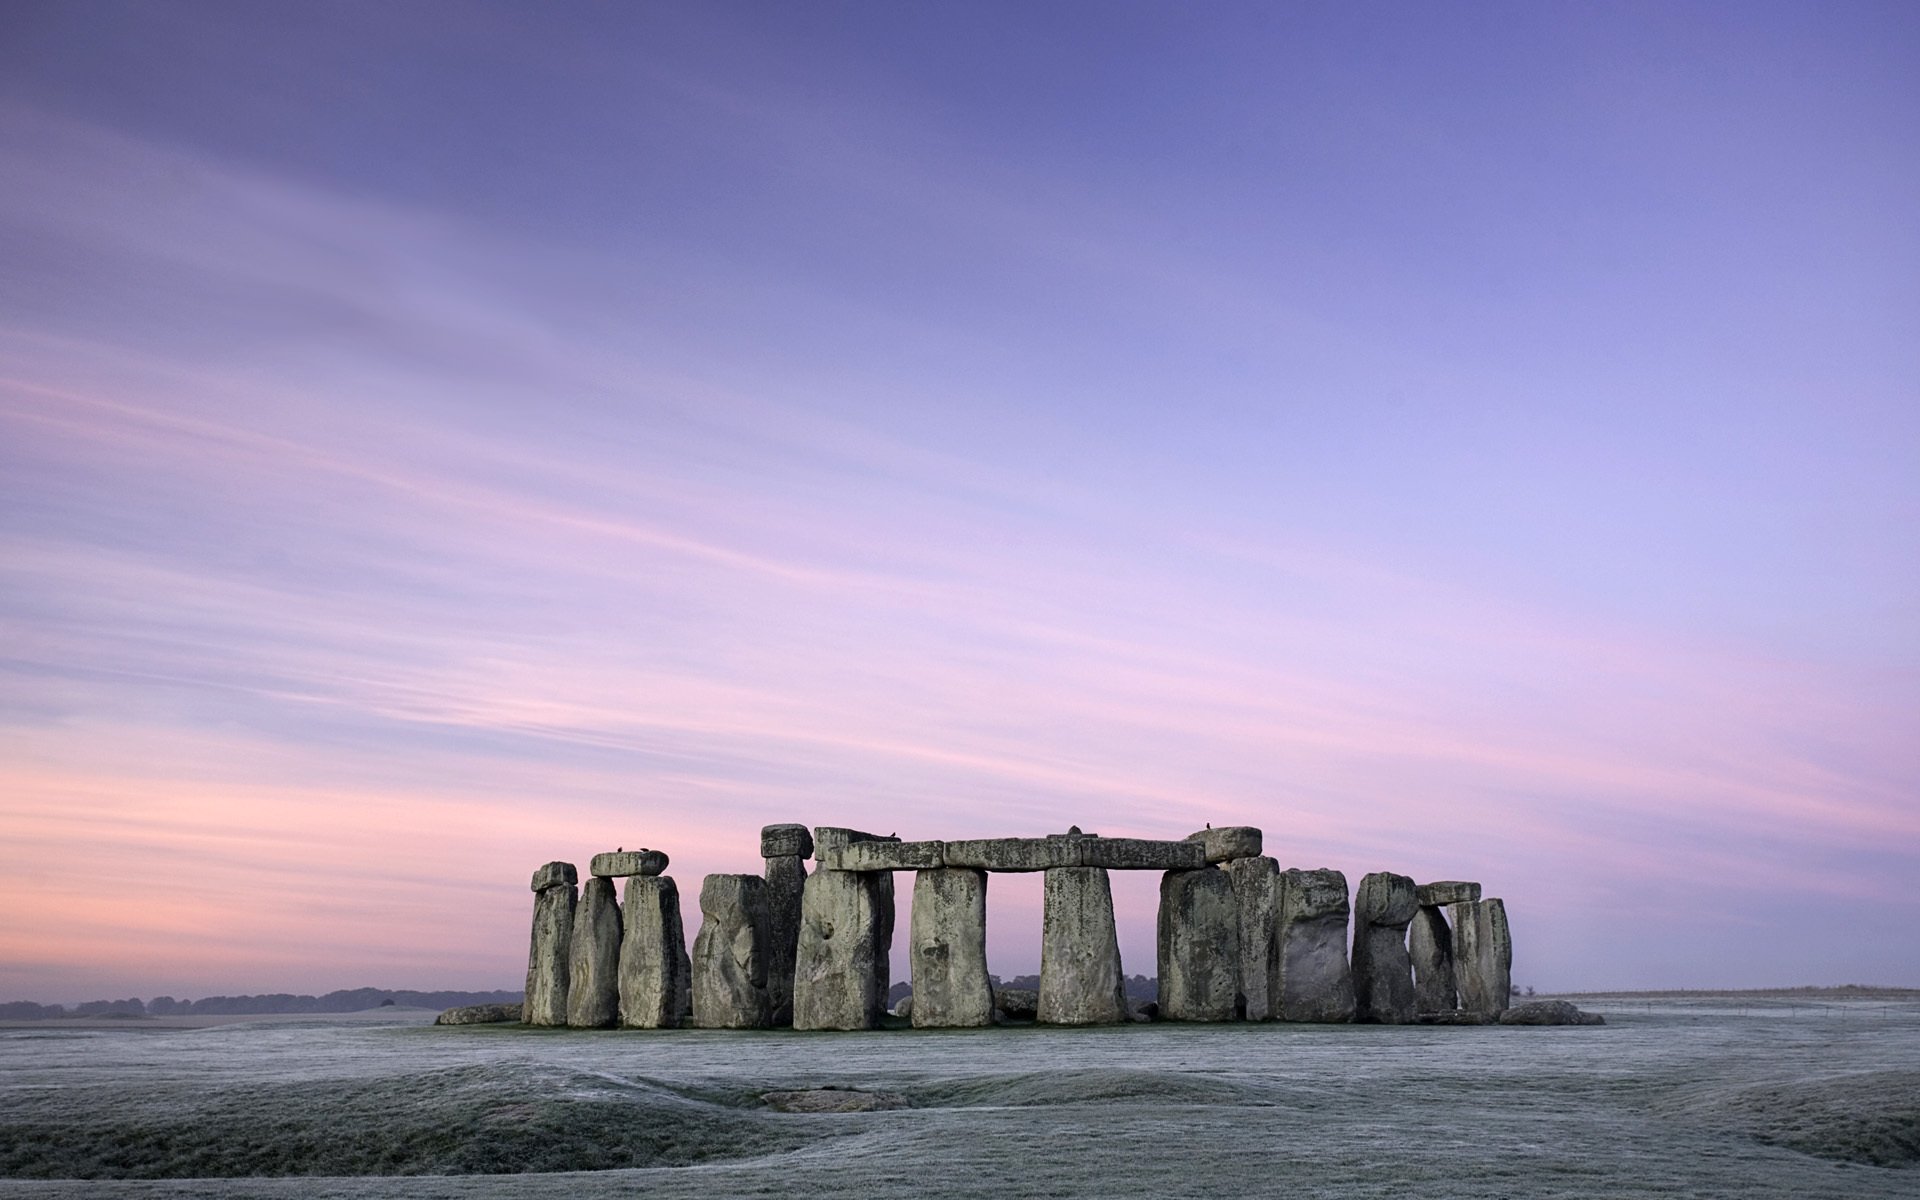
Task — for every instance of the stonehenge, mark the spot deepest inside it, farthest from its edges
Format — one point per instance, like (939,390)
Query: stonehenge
(550,956)
(1238,938)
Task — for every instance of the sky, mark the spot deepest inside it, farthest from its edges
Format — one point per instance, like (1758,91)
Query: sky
(1477,442)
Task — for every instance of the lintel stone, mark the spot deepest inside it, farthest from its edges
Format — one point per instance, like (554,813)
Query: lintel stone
(555,874)
(883,856)
(785,841)
(1141,854)
(619,864)
(1228,842)
(1434,895)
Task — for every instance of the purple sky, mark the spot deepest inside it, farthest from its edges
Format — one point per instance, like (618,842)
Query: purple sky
(437,439)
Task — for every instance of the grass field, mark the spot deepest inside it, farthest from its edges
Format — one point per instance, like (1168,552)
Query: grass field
(1791,1093)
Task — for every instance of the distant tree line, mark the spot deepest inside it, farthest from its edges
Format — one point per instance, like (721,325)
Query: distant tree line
(348,1000)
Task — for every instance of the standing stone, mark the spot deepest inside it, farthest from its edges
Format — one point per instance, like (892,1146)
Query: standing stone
(883,912)
(1199,935)
(1482,955)
(786,879)
(785,841)
(548,958)
(593,973)
(654,974)
(1314,983)
(730,954)
(949,950)
(1256,886)
(1081,982)
(1382,971)
(1430,946)
(835,977)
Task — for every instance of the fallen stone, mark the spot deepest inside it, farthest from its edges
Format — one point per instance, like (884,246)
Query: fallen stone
(555,874)
(1382,971)
(832,1100)
(837,961)
(1430,947)
(479,1014)
(904,1009)
(1013,854)
(1314,982)
(1433,895)
(1548,1012)
(619,864)
(1453,1016)
(655,974)
(1141,854)
(786,881)
(730,954)
(785,841)
(1016,1004)
(1081,982)
(948,950)
(1256,894)
(882,856)
(549,956)
(593,970)
(1228,842)
(1199,946)
(1482,954)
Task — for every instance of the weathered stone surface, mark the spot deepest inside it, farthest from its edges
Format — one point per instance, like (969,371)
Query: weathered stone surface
(1453,1016)
(555,874)
(882,856)
(549,955)
(785,841)
(904,1009)
(1228,842)
(1016,1004)
(655,974)
(1433,895)
(1199,942)
(1256,893)
(883,911)
(1482,954)
(833,837)
(1548,1012)
(1013,854)
(837,965)
(1430,947)
(619,864)
(479,1014)
(1141,854)
(593,960)
(786,880)
(832,1100)
(1314,982)
(1382,972)
(730,954)
(948,950)
(1081,982)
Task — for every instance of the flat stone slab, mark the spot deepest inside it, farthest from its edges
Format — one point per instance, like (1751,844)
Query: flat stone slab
(555,874)
(1433,895)
(883,856)
(1014,854)
(619,864)
(831,1100)
(785,841)
(479,1014)
(1141,854)
(1228,842)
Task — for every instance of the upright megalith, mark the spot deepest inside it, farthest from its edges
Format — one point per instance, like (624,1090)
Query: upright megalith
(948,941)
(549,956)
(1199,941)
(841,969)
(1430,947)
(1382,972)
(785,849)
(1081,982)
(1256,887)
(730,954)
(593,973)
(1313,982)
(1482,955)
(655,972)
